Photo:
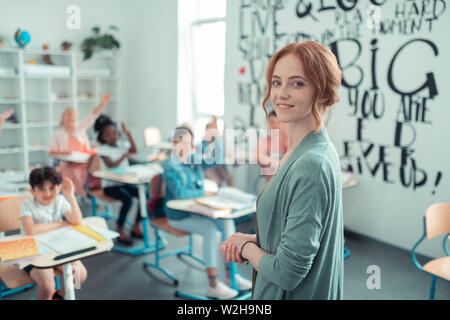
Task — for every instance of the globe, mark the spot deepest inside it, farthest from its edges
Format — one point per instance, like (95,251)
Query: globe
(22,38)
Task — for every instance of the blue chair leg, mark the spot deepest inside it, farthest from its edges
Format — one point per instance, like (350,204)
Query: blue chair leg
(159,240)
(433,286)
(57,283)
(346,252)
(187,251)
(5,291)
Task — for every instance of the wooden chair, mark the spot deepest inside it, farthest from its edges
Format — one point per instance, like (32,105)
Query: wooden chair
(13,279)
(157,189)
(435,223)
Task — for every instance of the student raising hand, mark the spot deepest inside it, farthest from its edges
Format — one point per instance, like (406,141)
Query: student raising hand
(68,187)
(74,216)
(4,116)
(104,99)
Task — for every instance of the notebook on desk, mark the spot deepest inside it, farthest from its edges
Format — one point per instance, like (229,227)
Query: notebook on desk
(227,200)
(18,249)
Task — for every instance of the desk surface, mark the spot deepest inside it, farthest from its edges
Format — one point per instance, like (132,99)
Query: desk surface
(46,260)
(74,157)
(127,178)
(184,205)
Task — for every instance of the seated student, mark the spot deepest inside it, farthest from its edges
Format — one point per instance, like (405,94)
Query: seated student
(269,152)
(184,180)
(212,148)
(114,153)
(72,136)
(4,116)
(45,211)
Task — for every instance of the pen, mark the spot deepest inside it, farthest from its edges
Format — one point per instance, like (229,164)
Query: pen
(74,253)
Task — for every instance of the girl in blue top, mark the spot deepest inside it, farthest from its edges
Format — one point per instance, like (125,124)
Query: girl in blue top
(184,180)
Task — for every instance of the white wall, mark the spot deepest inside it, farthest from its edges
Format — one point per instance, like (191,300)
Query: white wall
(148,54)
(151,71)
(381,206)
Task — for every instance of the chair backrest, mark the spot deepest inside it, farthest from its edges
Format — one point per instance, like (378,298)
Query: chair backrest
(157,187)
(10,212)
(94,164)
(437,220)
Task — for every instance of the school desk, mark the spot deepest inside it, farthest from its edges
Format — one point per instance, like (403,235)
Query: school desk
(141,183)
(47,260)
(230,229)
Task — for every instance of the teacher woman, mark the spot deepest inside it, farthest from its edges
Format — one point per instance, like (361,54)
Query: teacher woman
(297,252)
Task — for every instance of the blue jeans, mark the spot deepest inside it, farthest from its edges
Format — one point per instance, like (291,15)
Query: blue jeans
(207,228)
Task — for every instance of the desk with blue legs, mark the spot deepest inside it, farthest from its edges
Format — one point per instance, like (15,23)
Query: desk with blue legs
(230,229)
(141,183)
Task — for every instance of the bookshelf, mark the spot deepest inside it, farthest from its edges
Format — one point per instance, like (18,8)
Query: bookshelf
(39,94)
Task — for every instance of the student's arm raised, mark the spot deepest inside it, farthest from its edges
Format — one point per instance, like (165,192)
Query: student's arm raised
(74,215)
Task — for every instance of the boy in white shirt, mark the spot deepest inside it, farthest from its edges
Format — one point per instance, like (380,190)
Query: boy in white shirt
(49,210)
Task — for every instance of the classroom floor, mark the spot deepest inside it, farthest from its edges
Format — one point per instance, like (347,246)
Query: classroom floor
(119,276)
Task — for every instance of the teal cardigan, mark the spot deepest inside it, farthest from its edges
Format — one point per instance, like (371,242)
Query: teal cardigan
(299,225)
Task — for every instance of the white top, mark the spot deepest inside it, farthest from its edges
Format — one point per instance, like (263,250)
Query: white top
(44,214)
(114,153)
(60,137)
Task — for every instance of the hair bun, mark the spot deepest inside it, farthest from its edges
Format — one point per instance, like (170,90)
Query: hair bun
(102,121)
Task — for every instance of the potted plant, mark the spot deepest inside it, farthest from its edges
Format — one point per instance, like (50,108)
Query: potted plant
(99,41)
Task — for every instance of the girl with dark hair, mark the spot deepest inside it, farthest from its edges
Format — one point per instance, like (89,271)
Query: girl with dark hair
(114,153)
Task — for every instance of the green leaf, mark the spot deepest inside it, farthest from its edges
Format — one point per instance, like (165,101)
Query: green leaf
(96,30)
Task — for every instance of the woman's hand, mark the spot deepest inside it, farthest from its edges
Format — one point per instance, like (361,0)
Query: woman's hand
(232,247)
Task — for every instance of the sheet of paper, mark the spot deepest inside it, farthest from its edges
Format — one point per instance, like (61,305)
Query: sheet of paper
(237,198)
(65,240)
(107,234)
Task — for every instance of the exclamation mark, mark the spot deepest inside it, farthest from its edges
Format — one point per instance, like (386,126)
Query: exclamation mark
(438,179)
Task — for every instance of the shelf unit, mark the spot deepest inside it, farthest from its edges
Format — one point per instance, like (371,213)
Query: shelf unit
(39,101)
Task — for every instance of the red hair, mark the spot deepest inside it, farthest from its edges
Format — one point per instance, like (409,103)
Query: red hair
(321,68)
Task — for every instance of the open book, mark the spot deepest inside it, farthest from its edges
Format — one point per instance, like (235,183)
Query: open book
(226,200)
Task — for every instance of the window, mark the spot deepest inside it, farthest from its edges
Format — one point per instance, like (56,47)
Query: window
(201,61)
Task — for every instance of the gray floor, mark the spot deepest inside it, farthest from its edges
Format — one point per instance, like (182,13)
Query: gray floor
(119,276)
